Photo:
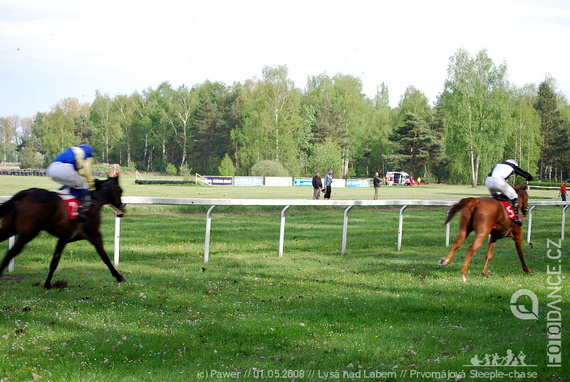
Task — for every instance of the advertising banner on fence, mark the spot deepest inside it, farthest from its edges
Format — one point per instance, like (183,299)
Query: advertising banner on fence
(250,181)
(358,183)
(278,181)
(337,183)
(303,182)
(219,180)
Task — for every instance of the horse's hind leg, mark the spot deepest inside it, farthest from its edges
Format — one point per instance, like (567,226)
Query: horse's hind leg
(456,244)
(477,242)
(6,230)
(15,250)
(489,255)
(55,261)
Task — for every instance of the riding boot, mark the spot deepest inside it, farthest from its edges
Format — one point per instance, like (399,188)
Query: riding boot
(515,204)
(84,204)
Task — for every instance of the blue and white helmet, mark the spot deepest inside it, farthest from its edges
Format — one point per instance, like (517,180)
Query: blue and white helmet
(87,149)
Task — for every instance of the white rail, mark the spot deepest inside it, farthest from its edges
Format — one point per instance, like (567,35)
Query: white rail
(287,203)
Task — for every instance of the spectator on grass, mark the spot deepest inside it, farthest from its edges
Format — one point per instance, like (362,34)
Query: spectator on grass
(376,182)
(562,192)
(317,186)
(328,184)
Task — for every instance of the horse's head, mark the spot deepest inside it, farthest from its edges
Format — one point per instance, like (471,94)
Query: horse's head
(523,198)
(109,192)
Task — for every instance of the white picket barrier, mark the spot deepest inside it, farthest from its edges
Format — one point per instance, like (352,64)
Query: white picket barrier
(287,203)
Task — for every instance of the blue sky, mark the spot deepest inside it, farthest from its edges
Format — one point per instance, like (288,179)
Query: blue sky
(50,50)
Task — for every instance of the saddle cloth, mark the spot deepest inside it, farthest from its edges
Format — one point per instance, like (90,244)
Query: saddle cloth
(509,208)
(71,203)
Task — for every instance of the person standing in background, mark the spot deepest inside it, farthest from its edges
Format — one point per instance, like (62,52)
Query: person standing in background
(317,186)
(562,192)
(376,182)
(328,184)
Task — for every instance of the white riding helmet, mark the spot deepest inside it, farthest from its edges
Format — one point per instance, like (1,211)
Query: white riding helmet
(513,162)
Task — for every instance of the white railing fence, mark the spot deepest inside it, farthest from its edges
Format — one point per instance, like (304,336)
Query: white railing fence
(287,203)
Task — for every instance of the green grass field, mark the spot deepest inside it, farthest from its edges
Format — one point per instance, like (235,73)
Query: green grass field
(374,314)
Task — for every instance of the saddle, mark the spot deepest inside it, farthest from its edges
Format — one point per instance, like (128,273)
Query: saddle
(511,213)
(70,201)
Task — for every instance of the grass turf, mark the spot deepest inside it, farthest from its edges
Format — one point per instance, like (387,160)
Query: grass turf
(248,313)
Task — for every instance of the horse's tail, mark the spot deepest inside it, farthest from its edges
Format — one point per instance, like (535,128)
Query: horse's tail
(466,203)
(7,207)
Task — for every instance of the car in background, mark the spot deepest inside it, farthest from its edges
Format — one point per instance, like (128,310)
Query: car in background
(397,178)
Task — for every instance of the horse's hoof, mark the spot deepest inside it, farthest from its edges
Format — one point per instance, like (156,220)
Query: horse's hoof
(442,262)
(528,270)
(121,279)
(463,278)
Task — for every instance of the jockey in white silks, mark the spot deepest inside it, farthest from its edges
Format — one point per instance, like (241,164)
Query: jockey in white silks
(72,168)
(497,182)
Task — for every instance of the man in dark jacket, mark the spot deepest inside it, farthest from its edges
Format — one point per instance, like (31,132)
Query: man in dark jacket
(317,186)
(376,182)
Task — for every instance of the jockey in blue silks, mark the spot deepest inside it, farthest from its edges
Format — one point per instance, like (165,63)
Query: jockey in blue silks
(72,168)
(497,182)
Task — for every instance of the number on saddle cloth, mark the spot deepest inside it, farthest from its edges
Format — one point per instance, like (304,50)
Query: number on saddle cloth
(506,204)
(70,197)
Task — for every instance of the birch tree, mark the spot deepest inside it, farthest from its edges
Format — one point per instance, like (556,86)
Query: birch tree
(273,125)
(476,108)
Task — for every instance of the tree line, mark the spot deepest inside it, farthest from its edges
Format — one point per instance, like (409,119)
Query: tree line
(478,119)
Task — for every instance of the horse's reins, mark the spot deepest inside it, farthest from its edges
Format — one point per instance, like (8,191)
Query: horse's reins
(116,210)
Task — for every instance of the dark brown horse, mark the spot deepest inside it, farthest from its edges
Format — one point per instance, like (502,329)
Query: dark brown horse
(486,216)
(33,210)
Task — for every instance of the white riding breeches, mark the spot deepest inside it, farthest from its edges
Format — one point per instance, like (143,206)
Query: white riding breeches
(65,173)
(496,184)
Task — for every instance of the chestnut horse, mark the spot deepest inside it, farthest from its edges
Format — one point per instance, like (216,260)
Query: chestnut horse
(32,210)
(486,216)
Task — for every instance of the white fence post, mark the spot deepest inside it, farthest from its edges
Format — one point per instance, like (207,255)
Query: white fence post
(345,229)
(207,238)
(529,227)
(11,241)
(401,226)
(117,240)
(282,231)
(563,222)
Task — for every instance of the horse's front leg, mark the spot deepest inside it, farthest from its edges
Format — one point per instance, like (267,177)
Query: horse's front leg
(461,236)
(518,238)
(61,243)
(97,242)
